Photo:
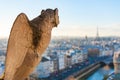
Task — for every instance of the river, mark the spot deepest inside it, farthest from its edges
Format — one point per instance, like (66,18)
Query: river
(100,73)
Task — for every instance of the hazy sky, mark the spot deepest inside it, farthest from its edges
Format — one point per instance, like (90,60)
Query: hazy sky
(77,17)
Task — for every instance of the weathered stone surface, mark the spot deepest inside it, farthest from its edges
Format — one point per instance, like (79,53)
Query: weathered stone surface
(27,41)
(71,78)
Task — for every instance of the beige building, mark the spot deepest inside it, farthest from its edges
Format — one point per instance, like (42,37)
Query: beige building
(116,61)
(67,60)
(55,61)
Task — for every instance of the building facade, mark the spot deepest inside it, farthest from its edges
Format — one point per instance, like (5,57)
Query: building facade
(116,61)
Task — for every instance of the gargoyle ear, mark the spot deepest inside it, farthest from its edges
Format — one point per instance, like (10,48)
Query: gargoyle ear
(42,11)
(56,11)
(56,17)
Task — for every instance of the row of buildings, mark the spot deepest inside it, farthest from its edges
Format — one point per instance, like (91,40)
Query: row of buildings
(64,53)
(58,61)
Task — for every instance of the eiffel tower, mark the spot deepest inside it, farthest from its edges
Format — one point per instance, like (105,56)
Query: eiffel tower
(97,35)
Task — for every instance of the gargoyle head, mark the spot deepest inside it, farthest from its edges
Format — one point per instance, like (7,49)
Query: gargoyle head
(52,15)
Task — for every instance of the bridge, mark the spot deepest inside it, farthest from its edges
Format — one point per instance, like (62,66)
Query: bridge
(108,60)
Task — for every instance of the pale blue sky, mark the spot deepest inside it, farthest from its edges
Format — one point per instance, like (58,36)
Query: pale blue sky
(77,17)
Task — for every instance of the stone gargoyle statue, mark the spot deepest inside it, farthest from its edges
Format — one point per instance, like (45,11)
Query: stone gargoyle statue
(27,41)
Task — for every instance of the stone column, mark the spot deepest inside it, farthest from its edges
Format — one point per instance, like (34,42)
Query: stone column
(116,61)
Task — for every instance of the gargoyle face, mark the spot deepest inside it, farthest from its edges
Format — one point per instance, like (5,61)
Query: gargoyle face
(53,16)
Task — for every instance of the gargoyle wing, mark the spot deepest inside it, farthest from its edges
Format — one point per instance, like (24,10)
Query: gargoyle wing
(19,41)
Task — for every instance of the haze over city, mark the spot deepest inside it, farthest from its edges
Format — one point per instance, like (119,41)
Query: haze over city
(77,17)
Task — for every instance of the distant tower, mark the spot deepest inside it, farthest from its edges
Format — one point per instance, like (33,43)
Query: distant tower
(86,39)
(97,39)
(97,35)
